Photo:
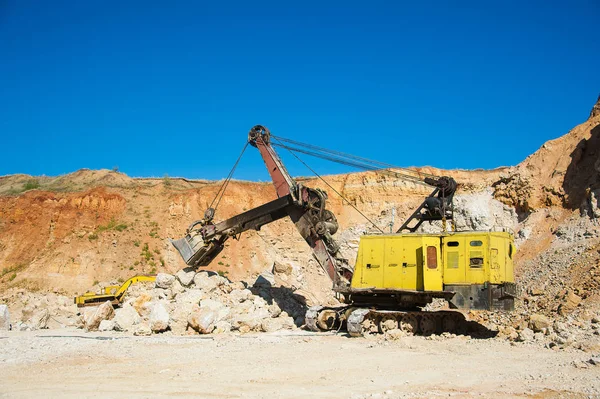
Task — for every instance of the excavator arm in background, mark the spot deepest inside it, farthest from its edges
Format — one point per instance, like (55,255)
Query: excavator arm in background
(437,206)
(305,206)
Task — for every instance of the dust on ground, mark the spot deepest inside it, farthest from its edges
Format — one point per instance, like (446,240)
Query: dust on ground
(68,363)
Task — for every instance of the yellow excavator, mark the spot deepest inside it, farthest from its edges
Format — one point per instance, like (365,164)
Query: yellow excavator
(112,293)
(395,275)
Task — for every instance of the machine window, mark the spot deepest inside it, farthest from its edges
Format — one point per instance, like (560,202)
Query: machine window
(452,260)
(510,251)
(453,244)
(431,258)
(476,259)
(476,243)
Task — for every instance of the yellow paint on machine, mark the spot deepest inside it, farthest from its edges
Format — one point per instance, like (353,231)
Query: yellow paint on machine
(427,262)
(112,293)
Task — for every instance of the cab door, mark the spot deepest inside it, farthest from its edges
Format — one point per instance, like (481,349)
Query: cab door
(454,260)
(393,272)
(477,262)
(432,264)
(372,262)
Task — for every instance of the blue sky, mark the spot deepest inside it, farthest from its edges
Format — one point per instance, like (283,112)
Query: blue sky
(159,88)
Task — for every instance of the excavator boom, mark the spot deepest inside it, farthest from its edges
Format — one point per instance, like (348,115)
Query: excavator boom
(305,206)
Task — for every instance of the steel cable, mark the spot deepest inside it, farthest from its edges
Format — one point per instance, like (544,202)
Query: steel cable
(355,164)
(381,165)
(331,187)
(226,182)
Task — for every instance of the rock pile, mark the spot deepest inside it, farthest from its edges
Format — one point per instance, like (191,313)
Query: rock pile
(35,311)
(190,302)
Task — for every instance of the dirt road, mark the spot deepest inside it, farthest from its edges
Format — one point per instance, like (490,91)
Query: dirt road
(69,363)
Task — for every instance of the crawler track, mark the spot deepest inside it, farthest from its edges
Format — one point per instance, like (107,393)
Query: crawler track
(368,321)
(363,321)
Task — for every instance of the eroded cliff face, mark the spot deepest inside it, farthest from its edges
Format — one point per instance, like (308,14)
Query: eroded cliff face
(69,232)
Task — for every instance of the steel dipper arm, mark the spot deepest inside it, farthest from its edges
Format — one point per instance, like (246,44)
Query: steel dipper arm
(315,223)
(305,206)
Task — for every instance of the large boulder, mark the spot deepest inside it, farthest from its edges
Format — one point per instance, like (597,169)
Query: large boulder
(571,301)
(203,281)
(185,277)
(282,268)
(140,304)
(221,311)
(126,317)
(274,310)
(164,280)
(251,321)
(271,324)
(538,322)
(203,320)
(4,318)
(142,330)
(181,308)
(106,325)
(239,296)
(159,318)
(526,335)
(176,289)
(40,320)
(94,316)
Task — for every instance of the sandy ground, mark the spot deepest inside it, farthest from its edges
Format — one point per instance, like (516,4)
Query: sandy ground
(70,363)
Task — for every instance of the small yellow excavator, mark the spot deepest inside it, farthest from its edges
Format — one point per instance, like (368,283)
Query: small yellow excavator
(395,275)
(112,293)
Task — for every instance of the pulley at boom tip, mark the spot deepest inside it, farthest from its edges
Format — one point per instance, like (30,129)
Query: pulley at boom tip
(259,131)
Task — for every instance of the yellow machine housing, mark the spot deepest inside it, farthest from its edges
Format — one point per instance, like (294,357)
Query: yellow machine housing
(112,293)
(473,270)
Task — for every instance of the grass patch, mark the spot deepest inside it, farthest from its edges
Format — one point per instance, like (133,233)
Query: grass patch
(93,237)
(153,230)
(12,269)
(146,254)
(31,185)
(112,225)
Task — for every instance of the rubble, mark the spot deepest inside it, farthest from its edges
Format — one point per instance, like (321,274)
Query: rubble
(202,320)
(526,335)
(539,322)
(125,318)
(40,320)
(204,282)
(94,316)
(571,301)
(164,280)
(185,277)
(184,303)
(159,318)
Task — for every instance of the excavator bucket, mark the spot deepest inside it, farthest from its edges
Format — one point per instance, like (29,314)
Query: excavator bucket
(189,248)
(195,252)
